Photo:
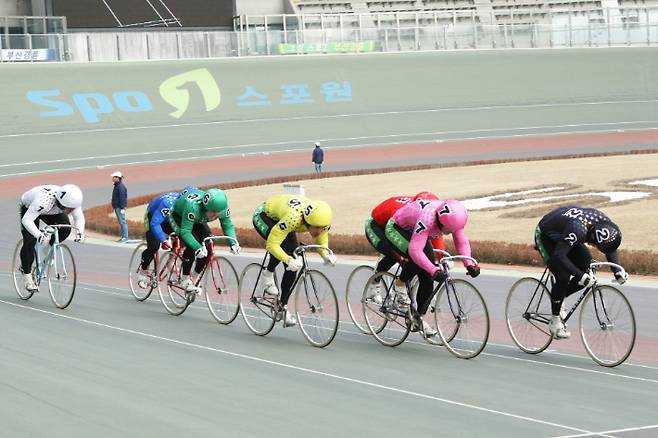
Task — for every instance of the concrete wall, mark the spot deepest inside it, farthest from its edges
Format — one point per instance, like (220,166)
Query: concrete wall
(15,7)
(102,95)
(259,7)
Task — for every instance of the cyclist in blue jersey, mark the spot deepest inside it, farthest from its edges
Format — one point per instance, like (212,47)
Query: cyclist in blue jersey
(157,228)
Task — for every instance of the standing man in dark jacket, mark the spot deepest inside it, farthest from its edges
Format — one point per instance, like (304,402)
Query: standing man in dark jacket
(318,157)
(119,204)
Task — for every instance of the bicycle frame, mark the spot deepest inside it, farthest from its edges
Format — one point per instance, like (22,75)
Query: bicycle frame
(592,269)
(178,249)
(41,266)
(274,303)
(455,308)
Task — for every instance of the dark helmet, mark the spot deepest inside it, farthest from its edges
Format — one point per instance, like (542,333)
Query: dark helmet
(605,235)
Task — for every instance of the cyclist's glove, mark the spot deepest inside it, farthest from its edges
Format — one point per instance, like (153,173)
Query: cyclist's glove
(587,279)
(80,238)
(235,248)
(44,239)
(439,276)
(473,270)
(201,253)
(294,264)
(329,259)
(166,246)
(621,277)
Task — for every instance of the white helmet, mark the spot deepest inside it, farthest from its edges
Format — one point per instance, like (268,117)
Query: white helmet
(69,196)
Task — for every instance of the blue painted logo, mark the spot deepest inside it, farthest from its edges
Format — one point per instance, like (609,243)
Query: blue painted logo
(90,105)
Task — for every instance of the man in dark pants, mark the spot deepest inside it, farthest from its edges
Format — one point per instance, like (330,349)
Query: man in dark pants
(119,204)
(318,157)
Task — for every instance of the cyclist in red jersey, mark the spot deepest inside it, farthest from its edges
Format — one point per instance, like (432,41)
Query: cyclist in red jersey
(375,233)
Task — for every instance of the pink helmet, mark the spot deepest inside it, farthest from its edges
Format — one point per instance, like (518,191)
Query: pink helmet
(452,215)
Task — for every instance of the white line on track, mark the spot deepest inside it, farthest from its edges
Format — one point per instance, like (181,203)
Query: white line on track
(309,371)
(199,306)
(275,151)
(305,142)
(630,429)
(334,116)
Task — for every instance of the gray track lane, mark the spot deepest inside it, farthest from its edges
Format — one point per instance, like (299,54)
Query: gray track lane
(88,148)
(163,376)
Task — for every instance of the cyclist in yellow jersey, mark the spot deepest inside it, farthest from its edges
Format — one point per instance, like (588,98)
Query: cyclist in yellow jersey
(277,220)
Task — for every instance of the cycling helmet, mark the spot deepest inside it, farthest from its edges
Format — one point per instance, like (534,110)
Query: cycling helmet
(605,235)
(427,196)
(69,196)
(452,215)
(188,188)
(215,200)
(318,214)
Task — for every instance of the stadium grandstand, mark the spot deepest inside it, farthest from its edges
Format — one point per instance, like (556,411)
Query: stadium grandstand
(110,30)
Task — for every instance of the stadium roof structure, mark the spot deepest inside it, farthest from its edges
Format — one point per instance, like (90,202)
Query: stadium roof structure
(163,15)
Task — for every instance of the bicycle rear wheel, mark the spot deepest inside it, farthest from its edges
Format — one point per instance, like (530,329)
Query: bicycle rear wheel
(62,277)
(316,308)
(462,314)
(258,309)
(141,290)
(388,324)
(173,297)
(528,313)
(354,295)
(19,284)
(607,326)
(222,291)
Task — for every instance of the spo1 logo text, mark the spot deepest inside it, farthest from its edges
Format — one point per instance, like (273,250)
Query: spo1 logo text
(90,105)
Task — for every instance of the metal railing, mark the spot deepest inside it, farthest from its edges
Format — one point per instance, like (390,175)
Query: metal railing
(495,15)
(144,45)
(32,25)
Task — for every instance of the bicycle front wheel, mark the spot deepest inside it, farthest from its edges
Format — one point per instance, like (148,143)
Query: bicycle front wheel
(607,326)
(141,290)
(19,283)
(462,314)
(222,291)
(316,307)
(354,294)
(173,297)
(258,309)
(62,277)
(385,321)
(528,313)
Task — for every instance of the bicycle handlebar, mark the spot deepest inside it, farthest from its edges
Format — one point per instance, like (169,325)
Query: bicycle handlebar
(301,248)
(51,228)
(442,252)
(447,257)
(593,265)
(459,257)
(214,238)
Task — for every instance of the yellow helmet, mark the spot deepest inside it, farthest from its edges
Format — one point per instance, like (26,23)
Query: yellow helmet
(318,214)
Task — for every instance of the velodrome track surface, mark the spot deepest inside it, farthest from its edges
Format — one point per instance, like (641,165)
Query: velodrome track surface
(109,366)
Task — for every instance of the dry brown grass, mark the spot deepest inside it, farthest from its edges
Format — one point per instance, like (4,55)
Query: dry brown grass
(497,236)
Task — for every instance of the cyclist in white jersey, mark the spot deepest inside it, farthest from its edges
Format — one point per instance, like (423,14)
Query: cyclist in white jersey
(51,205)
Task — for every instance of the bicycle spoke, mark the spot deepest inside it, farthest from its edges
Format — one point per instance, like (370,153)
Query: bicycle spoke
(222,291)
(607,326)
(527,313)
(316,307)
(258,309)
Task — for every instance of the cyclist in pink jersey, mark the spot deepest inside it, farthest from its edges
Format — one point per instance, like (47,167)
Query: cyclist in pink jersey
(409,230)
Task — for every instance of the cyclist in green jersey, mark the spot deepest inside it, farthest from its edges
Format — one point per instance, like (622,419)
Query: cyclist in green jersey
(189,219)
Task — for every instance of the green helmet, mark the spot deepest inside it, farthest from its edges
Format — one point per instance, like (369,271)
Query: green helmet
(318,214)
(215,200)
